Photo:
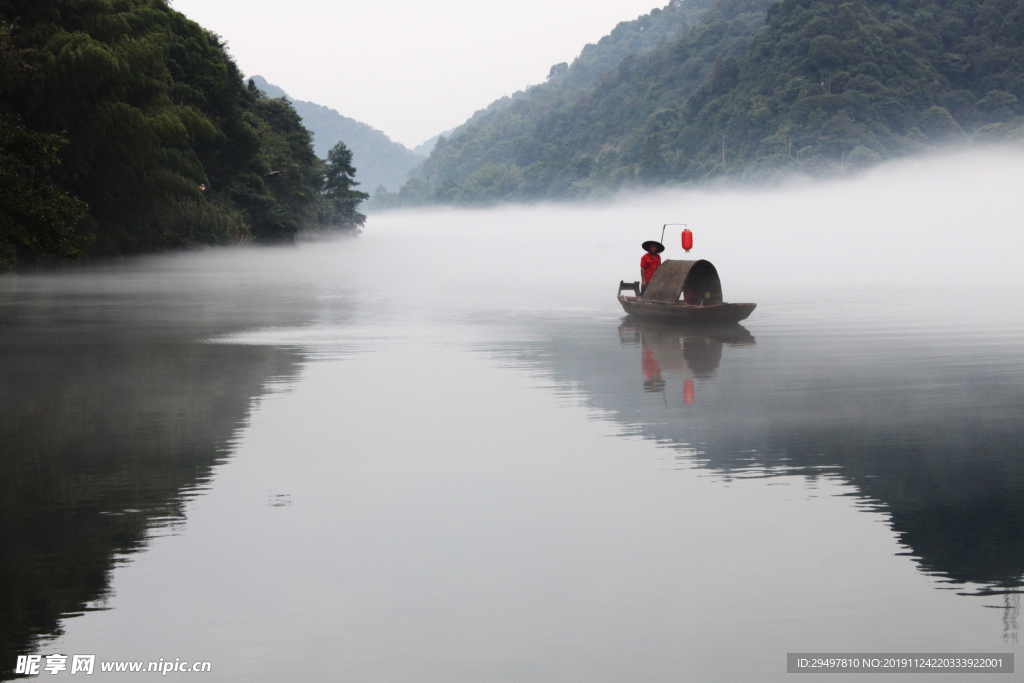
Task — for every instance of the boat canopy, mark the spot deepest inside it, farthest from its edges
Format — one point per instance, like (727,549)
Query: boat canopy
(695,282)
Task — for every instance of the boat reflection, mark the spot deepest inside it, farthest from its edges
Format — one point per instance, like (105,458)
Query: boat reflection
(683,352)
(928,431)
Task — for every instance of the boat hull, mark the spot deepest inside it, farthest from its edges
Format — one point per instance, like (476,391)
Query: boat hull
(715,313)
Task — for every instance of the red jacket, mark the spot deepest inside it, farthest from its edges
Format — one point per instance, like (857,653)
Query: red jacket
(648,264)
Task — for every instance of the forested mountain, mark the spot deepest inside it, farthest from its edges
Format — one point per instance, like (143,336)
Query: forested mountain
(136,124)
(425,148)
(750,90)
(379,159)
(509,134)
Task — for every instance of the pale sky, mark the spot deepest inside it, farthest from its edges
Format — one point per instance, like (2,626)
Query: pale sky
(410,69)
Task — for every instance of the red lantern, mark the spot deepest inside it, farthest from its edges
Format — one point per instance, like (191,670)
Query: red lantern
(687,240)
(689,394)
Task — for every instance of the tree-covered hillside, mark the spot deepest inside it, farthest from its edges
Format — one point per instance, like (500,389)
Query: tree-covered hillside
(751,90)
(514,131)
(141,118)
(828,83)
(380,160)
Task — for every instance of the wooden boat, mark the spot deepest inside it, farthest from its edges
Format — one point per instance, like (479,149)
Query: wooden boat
(683,291)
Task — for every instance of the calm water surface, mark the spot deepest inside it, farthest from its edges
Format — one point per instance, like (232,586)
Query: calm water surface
(441,453)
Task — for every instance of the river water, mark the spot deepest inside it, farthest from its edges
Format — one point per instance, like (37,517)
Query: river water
(440,452)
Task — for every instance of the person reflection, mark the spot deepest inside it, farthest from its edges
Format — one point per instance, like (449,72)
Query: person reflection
(652,370)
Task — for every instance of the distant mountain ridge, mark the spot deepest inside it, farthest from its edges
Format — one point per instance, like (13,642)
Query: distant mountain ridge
(496,134)
(425,148)
(753,89)
(379,160)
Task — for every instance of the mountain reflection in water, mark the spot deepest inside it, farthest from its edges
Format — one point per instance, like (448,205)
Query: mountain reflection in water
(112,416)
(928,429)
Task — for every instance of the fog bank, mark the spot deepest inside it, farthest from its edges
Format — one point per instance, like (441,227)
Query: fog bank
(947,227)
(950,222)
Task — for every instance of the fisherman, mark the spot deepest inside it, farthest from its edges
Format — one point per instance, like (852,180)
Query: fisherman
(650,262)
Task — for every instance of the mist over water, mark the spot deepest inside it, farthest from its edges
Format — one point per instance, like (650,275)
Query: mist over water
(439,451)
(949,224)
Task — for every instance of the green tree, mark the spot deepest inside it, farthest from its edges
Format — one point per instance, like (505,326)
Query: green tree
(165,143)
(35,214)
(490,184)
(339,181)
